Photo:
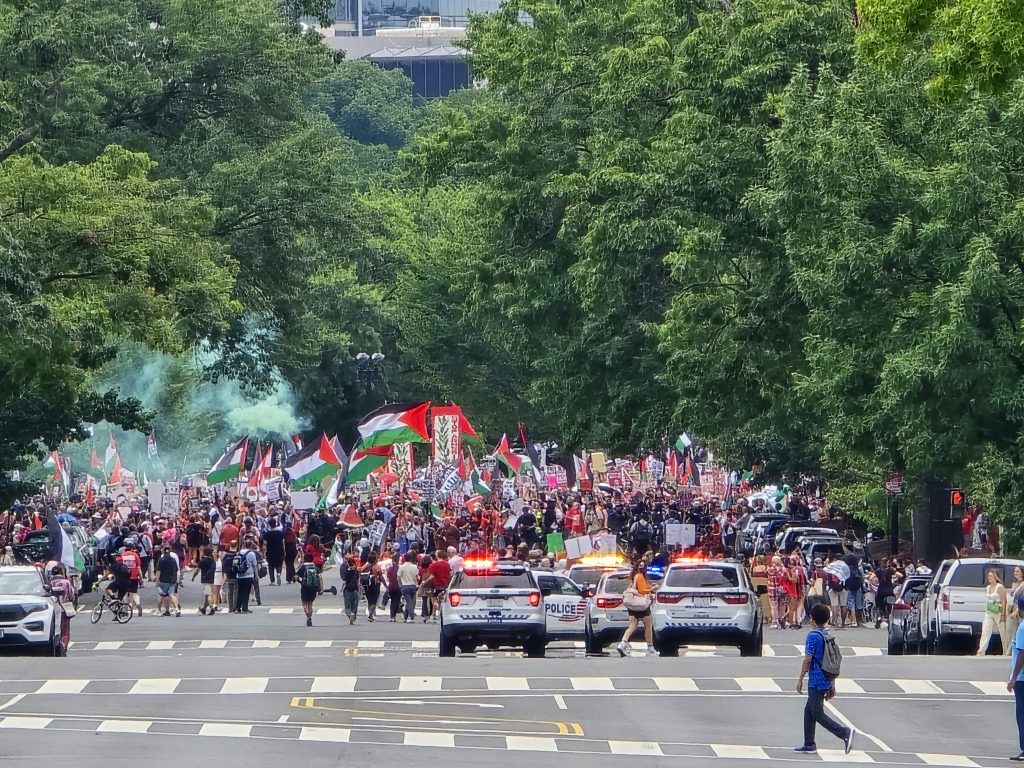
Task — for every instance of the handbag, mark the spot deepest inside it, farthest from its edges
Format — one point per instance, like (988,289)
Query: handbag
(69,609)
(634,601)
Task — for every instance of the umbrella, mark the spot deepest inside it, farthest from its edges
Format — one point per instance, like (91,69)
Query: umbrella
(605,487)
(64,517)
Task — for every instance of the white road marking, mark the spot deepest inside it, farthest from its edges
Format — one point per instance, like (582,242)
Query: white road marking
(757,684)
(739,751)
(124,726)
(507,684)
(29,723)
(560,702)
(206,644)
(591,683)
(427,739)
(266,644)
(108,645)
(839,756)
(319,643)
(309,733)
(244,685)
(846,721)
(333,685)
(531,743)
(845,685)
(930,758)
(918,686)
(675,683)
(233,730)
(635,748)
(419,684)
(63,686)
(14,700)
(160,645)
(370,644)
(991,687)
(155,685)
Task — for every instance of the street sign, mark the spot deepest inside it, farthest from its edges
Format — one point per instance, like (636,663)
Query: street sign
(894,483)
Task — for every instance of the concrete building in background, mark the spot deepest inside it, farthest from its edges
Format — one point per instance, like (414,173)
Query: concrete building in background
(416,36)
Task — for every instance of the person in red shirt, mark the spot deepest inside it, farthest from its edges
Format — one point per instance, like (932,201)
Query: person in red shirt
(574,520)
(438,574)
(229,534)
(131,560)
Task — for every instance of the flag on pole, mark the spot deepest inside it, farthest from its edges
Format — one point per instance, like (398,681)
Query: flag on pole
(312,464)
(117,471)
(60,547)
(504,454)
(395,423)
(683,442)
(110,454)
(229,465)
(256,476)
(364,461)
(465,427)
(96,466)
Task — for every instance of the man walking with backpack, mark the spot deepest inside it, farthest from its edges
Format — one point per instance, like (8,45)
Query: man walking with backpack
(822,660)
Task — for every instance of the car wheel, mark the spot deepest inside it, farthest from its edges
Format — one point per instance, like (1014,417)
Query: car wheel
(467,648)
(535,647)
(755,646)
(668,650)
(56,649)
(896,648)
(446,646)
(493,646)
(593,647)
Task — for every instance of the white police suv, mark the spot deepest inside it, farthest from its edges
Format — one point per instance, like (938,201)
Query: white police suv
(28,615)
(494,604)
(708,602)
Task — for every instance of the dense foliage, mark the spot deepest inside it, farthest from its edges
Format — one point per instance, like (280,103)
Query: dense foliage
(719,215)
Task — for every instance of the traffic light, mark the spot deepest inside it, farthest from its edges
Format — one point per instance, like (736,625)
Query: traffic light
(957,504)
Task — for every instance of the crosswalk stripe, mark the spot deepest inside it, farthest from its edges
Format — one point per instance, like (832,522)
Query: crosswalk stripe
(155,685)
(244,685)
(649,748)
(507,684)
(328,611)
(956,760)
(591,683)
(531,743)
(739,751)
(427,739)
(312,733)
(266,644)
(370,644)
(846,685)
(124,726)
(208,644)
(866,651)
(161,645)
(281,611)
(990,687)
(419,684)
(918,686)
(421,644)
(109,645)
(234,730)
(63,686)
(333,685)
(675,684)
(840,756)
(25,723)
(319,643)
(757,684)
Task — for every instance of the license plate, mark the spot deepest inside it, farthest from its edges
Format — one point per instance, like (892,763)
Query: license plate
(701,602)
(618,616)
(495,603)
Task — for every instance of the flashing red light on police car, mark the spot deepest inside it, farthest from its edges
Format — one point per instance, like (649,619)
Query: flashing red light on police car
(535,599)
(690,559)
(454,598)
(479,566)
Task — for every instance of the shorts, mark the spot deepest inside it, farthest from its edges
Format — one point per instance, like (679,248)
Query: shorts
(855,599)
(166,590)
(307,594)
(133,586)
(639,614)
(837,599)
(207,590)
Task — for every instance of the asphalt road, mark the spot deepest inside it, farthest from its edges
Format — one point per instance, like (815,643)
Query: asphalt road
(233,690)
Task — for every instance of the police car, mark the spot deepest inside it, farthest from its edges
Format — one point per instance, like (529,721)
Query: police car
(607,617)
(565,606)
(707,601)
(588,570)
(495,604)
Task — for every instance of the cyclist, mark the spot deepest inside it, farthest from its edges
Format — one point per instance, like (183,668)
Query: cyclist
(131,560)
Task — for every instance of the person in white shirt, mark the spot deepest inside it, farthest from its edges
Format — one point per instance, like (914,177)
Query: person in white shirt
(455,560)
(409,579)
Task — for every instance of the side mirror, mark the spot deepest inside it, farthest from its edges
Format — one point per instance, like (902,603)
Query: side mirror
(47,589)
(589,592)
(936,589)
(761,589)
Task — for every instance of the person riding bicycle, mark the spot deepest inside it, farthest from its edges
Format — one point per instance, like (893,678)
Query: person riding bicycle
(121,583)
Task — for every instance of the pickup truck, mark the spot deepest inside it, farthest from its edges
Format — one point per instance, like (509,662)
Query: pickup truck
(954,606)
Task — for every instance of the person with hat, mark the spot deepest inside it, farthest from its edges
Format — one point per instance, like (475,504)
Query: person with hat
(1015,684)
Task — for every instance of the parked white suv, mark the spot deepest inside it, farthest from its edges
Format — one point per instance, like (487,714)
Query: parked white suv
(953,609)
(28,615)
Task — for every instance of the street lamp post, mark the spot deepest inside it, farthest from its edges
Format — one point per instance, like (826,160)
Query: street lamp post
(369,369)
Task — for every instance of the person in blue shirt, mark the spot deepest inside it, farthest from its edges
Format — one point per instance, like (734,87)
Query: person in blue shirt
(1015,684)
(820,687)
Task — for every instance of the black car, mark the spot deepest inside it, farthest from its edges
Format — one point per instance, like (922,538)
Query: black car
(905,618)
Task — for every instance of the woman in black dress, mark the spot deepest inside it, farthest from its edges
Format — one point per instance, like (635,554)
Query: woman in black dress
(274,538)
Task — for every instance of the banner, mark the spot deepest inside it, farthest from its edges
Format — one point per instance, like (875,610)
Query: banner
(402,462)
(447,438)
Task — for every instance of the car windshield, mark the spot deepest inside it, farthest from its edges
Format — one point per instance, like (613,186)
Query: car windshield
(494,581)
(702,577)
(588,574)
(616,585)
(21,583)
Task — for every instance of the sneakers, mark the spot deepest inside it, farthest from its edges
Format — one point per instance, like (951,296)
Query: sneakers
(309,621)
(178,613)
(652,651)
(849,740)
(166,613)
(623,649)
(203,610)
(1018,758)
(810,749)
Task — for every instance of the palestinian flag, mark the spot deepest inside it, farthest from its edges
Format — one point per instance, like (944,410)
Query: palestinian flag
(395,423)
(256,476)
(96,466)
(504,454)
(110,454)
(364,461)
(683,442)
(312,464)
(474,479)
(229,466)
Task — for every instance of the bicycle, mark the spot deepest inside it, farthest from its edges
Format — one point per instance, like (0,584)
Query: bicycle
(122,611)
